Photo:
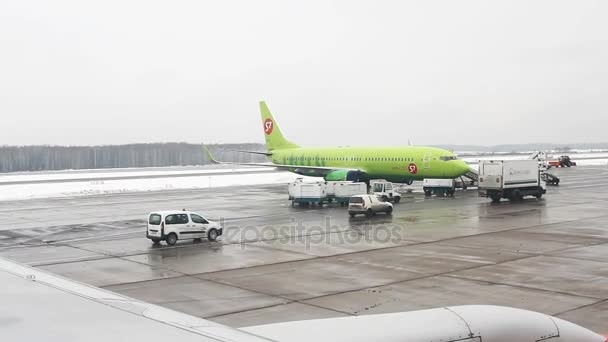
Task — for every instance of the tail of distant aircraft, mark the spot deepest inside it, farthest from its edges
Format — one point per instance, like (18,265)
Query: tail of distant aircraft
(274,137)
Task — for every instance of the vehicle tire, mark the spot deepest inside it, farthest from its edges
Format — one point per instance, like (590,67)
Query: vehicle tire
(384,199)
(516,196)
(397,199)
(351,215)
(495,198)
(212,235)
(171,239)
(155,241)
(369,213)
(539,195)
(389,211)
(428,193)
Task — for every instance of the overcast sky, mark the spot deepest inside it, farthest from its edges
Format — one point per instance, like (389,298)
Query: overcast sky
(333,72)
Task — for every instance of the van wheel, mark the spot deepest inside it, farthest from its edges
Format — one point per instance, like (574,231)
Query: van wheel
(496,198)
(384,199)
(171,239)
(389,211)
(369,213)
(397,199)
(212,235)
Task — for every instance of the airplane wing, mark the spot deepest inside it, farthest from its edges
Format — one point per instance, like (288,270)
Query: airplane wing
(39,306)
(314,171)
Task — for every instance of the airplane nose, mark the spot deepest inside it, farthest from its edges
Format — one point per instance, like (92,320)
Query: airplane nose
(463,167)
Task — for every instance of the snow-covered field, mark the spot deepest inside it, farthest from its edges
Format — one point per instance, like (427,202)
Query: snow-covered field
(101,186)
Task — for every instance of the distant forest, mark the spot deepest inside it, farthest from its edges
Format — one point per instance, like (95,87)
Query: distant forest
(42,158)
(39,158)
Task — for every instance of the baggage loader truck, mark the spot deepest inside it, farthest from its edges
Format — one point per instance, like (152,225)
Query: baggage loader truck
(510,179)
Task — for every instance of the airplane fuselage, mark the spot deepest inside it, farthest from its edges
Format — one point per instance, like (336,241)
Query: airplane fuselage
(395,164)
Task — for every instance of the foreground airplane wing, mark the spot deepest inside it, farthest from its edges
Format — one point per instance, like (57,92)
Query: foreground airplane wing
(39,306)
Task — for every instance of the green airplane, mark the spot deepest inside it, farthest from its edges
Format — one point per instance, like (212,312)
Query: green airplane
(394,164)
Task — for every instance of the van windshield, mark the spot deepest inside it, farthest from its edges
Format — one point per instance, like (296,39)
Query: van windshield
(154,219)
(356,200)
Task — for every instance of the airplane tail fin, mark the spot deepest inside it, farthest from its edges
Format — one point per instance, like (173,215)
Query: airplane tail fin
(274,137)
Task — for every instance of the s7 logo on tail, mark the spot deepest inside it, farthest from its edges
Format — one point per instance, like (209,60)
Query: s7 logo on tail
(268,126)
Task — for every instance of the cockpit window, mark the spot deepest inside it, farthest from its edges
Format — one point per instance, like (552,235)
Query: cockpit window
(446,158)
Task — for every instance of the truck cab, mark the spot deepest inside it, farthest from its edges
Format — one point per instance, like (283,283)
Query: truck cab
(385,191)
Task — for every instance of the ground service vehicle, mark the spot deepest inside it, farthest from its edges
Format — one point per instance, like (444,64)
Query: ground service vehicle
(368,205)
(307,193)
(562,161)
(341,192)
(441,187)
(171,226)
(384,190)
(549,178)
(511,179)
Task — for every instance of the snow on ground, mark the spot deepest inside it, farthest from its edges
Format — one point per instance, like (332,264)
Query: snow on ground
(44,176)
(98,187)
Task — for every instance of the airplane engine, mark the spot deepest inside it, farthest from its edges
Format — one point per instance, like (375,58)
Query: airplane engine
(344,175)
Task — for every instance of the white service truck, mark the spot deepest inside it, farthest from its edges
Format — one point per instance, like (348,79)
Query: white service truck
(439,186)
(341,192)
(511,179)
(384,190)
(307,193)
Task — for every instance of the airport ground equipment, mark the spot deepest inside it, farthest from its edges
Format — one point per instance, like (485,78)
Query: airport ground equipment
(368,205)
(384,190)
(174,225)
(549,178)
(562,161)
(304,193)
(341,192)
(439,187)
(510,179)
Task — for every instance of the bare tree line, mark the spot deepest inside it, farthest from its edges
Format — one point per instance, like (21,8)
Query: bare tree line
(40,158)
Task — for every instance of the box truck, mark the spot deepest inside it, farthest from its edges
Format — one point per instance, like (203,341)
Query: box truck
(510,179)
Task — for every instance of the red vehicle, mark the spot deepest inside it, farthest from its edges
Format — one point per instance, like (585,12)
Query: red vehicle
(563,161)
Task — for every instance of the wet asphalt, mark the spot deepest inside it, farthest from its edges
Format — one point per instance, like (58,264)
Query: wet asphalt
(277,263)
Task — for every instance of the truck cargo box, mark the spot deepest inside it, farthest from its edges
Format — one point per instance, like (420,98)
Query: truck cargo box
(345,190)
(511,179)
(504,174)
(309,193)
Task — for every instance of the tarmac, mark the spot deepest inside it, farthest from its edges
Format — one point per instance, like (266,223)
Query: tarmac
(276,263)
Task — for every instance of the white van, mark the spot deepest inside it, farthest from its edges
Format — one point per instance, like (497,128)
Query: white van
(176,225)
